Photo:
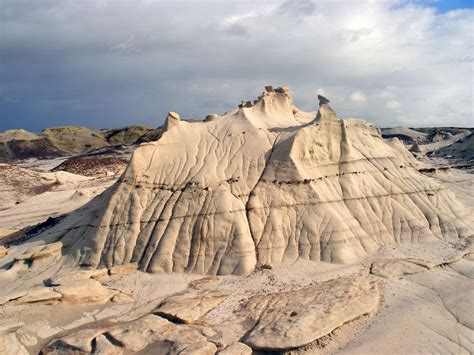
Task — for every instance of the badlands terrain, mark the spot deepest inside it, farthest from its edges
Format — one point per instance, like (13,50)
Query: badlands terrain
(262,230)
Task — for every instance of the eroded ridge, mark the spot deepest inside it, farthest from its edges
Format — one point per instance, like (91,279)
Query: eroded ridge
(263,184)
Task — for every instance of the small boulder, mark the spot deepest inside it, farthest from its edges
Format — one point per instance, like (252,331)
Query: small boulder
(36,295)
(76,275)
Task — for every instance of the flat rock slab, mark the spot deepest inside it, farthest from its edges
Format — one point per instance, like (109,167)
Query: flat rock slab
(152,332)
(76,275)
(407,266)
(35,295)
(87,291)
(190,308)
(398,267)
(289,320)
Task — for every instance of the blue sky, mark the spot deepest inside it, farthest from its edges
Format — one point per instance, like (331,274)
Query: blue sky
(110,63)
(447,5)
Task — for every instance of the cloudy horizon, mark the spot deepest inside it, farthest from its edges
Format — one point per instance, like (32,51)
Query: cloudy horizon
(111,63)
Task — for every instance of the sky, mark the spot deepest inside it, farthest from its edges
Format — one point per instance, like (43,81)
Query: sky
(111,63)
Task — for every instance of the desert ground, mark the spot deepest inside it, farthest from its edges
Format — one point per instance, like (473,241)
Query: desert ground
(263,230)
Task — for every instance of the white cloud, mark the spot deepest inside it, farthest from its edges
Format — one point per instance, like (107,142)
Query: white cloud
(358,97)
(393,104)
(408,63)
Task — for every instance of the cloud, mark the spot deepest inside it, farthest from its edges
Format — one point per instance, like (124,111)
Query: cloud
(358,97)
(393,105)
(111,63)
(297,8)
(127,45)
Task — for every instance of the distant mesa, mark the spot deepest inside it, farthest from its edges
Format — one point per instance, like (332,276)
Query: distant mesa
(264,184)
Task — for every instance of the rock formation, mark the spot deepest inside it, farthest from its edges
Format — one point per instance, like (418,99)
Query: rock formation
(415,148)
(172,120)
(323,100)
(261,185)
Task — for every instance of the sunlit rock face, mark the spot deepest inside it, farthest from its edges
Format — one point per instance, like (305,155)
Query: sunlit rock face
(260,185)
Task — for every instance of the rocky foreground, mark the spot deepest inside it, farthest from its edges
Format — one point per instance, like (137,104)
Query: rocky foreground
(401,299)
(264,230)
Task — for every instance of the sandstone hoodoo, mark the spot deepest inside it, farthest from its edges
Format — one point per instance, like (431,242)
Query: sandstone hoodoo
(263,184)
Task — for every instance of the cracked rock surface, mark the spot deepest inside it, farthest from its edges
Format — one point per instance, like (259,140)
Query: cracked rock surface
(264,184)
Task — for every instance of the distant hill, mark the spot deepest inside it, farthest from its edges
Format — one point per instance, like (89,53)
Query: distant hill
(423,135)
(69,140)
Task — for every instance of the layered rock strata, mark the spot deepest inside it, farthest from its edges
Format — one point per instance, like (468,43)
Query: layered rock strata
(261,185)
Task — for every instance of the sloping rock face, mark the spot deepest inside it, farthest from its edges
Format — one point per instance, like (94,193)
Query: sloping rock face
(263,184)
